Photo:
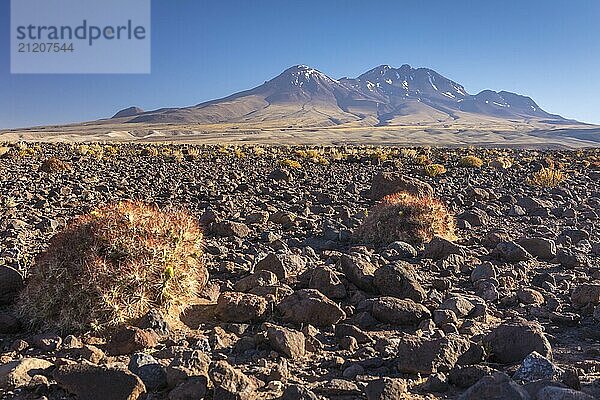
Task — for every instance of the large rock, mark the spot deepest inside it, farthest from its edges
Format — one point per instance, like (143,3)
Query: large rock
(150,371)
(385,183)
(192,388)
(511,252)
(187,363)
(386,389)
(258,279)
(398,280)
(231,383)
(394,311)
(282,265)
(240,307)
(497,386)
(15,374)
(326,281)
(309,306)
(560,393)
(11,283)
(92,382)
(132,339)
(542,248)
(587,293)
(439,248)
(416,355)
(511,342)
(536,367)
(231,229)
(286,341)
(358,271)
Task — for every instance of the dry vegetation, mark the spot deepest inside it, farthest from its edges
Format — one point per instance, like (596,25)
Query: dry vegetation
(113,265)
(407,218)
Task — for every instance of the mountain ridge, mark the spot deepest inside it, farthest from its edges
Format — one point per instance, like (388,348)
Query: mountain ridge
(303,96)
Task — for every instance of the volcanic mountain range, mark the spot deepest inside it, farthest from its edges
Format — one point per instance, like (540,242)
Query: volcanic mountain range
(302,96)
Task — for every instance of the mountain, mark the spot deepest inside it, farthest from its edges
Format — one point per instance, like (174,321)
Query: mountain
(302,96)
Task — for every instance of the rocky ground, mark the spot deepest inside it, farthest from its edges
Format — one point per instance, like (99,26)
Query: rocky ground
(296,307)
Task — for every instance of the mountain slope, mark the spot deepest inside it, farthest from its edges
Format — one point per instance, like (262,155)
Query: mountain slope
(302,96)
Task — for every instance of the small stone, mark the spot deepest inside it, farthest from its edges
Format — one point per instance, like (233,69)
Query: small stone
(231,229)
(511,252)
(282,265)
(156,321)
(358,271)
(587,293)
(495,386)
(46,342)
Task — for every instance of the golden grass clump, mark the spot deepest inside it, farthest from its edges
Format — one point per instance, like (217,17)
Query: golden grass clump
(470,162)
(407,218)
(434,170)
(290,163)
(113,265)
(547,177)
(54,164)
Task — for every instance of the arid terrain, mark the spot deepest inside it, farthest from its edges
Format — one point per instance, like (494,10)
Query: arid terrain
(480,280)
(402,106)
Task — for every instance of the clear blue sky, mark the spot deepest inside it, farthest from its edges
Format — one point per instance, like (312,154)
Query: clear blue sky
(201,50)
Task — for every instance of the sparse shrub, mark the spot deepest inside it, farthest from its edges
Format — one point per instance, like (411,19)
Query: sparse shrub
(501,163)
(177,155)
(547,177)
(238,153)
(290,163)
(470,162)
(110,150)
(408,153)
(54,164)
(150,151)
(422,160)
(434,170)
(114,265)
(4,151)
(193,153)
(83,149)
(258,151)
(403,217)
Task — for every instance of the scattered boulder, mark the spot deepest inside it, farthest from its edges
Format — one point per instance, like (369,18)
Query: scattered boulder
(394,311)
(326,281)
(511,252)
(286,341)
(537,367)
(92,382)
(11,283)
(282,265)
(584,294)
(231,383)
(241,307)
(440,248)
(511,342)
(386,389)
(397,280)
(385,183)
(542,248)
(150,371)
(495,386)
(16,374)
(131,339)
(309,306)
(231,229)
(417,355)
(358,271)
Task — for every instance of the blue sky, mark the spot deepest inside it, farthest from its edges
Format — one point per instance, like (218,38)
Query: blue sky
(201,50)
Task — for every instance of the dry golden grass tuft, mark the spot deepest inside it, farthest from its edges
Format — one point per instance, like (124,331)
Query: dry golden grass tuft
(407,218)
(547,177)
(290,163)
(434,170)
(114,265)
(470,162)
